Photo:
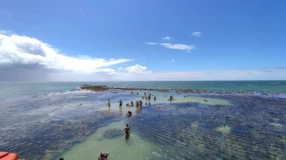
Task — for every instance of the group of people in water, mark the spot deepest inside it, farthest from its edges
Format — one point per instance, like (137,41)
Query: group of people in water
(138,104)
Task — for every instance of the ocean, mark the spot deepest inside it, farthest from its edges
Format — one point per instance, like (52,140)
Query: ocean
(48,120)
(12,89)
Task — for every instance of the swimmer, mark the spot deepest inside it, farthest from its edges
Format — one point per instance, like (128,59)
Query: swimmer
(103,156)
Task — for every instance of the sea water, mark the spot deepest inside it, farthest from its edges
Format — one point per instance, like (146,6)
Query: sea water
(54,122)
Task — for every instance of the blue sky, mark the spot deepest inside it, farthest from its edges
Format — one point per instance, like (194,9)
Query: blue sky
(234,35)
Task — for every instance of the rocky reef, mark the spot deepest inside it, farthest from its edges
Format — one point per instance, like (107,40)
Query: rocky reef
(101,88)
(46,141)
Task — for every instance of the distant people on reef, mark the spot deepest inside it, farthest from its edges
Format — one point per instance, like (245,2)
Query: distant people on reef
(129,114)
(205,100)
(137,103)
(132,103)
(127,130)
(102,156)
(120,103)
(140,103)
(154,98)
(108,102)
(149,97)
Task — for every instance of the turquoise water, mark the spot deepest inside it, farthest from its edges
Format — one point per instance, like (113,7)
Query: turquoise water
(48,120)
(8,89)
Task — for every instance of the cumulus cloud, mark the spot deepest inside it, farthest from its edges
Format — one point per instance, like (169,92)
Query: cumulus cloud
(22,51)
(137,69)
(150,43)
(183,47)
(197,34)
(168,38)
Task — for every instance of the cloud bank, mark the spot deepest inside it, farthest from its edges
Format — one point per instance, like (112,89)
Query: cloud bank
(24,58)
(23,51)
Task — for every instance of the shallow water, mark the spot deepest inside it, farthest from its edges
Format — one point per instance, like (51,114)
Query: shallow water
(118,147)
(74,125)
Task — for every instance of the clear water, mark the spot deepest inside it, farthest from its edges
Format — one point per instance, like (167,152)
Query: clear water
(46,121)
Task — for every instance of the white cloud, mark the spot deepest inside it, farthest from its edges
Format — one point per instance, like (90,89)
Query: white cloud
(183,47)
(168,38)
(173,60)
(137,69)
(197,34)
(27,59)
(29,52)
(150,43)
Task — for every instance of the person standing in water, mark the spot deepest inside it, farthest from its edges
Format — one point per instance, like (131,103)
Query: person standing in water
(120,103)
(108,102)
(129,114)
(127,130)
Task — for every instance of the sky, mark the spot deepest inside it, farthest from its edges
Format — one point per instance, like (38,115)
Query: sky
(100,40)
